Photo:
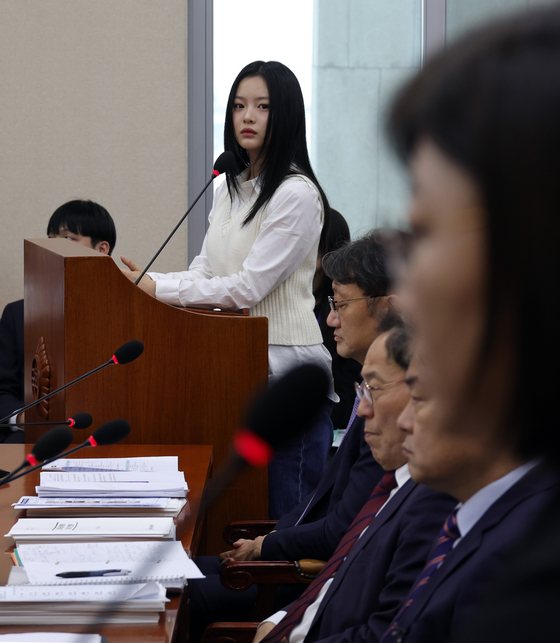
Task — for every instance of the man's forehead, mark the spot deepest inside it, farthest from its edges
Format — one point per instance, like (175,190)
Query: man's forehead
(377,359)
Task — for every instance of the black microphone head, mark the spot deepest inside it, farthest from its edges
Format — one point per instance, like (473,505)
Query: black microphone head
(112,432)
(289,406)
(80,421)
(128,352)
(51,443)
(224,162)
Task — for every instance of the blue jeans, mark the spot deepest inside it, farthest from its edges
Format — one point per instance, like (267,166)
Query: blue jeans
(297,467)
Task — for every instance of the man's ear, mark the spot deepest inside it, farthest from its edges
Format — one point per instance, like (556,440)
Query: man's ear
(103,247)
(393,304)
(387,304)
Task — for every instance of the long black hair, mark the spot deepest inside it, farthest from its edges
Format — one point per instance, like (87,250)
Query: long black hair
(491,102)
(285,143)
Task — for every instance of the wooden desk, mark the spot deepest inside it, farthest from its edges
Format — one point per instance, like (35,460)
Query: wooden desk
(195,461)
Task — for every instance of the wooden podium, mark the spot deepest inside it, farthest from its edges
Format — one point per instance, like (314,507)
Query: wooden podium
(191,385)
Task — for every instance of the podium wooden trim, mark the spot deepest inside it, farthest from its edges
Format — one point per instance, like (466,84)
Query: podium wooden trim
(198,371)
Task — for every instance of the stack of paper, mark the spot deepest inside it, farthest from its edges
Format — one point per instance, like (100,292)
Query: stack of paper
(112,483)
(50,637)
(106,563)
(43,530)
(84,604)
(98,507)
(145,465)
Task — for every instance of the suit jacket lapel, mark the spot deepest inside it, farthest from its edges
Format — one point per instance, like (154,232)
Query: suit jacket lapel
(533,482)
(389,510)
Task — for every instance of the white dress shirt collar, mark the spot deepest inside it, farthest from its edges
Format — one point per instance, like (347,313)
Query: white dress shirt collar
(402,475)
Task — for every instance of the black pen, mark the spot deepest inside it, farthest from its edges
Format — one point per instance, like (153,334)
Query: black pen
(100,572)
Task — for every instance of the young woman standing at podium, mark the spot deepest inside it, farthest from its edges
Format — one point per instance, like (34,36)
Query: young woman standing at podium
(265,229)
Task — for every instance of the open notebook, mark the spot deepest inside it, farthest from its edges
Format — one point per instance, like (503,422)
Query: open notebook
(163,561)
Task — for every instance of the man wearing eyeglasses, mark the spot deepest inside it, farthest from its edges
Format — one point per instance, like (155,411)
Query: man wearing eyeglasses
(314,528)
(361,587)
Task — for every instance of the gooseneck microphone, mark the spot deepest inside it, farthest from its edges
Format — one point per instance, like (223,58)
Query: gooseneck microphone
(277,416)
(48,446)
(123,355)
(108,433)
(222,164)
(77,421)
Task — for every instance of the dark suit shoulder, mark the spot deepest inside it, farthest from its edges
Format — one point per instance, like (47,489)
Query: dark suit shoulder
(14,309)
(318,538)
(378,573)
(11,361)
(460,586)
(525,596)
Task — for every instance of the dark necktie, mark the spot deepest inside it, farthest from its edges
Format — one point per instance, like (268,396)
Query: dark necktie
(447,536)
(367,514)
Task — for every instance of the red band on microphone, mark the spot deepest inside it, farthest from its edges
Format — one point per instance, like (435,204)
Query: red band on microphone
(215,173)
(31,459)
(114,358)
(253,449)
(92,441)
(71,421)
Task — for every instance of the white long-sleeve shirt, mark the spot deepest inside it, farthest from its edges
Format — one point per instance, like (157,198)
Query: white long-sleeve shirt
(266,266)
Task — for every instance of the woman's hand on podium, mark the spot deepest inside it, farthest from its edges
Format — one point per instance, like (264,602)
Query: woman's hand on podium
(146,283)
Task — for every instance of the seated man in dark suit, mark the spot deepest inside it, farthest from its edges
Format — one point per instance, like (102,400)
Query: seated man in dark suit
(362,586)
(84,222)
(501,495)
(314,528)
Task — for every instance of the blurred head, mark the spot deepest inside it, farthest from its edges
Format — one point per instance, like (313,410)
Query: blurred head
(360,283)
(384,397)
(480,130)
(86,223)
(456,462)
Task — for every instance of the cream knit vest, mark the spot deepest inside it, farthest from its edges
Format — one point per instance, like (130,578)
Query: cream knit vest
(289,308)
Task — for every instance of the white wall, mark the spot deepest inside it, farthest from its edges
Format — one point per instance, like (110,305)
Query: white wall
(364,50)
(92,105)
(463,15)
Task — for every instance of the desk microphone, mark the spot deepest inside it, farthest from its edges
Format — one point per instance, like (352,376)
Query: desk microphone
(223,163)
(78,421)
(108,433)
(277,416)
(47,447)
(123,355)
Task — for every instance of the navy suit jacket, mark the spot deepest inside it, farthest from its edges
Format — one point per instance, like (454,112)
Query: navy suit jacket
(449,601)
(378,573)
(523,602)
(340,494)
(11,359)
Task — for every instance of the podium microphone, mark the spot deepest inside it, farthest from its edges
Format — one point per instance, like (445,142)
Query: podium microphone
(222,164)
(277,416)
(108,433)
(78,421)
(123,355)
(48,446)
